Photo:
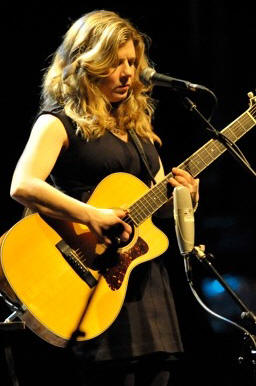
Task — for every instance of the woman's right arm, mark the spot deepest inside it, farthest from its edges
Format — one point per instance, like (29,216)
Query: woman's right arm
(29,186)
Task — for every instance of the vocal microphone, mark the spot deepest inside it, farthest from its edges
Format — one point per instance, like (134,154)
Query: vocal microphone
(183,213)
(150,77)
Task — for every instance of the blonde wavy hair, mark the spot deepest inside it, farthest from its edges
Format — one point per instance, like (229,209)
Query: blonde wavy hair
(88,50)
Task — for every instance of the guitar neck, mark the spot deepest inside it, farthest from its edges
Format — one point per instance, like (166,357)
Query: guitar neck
(158,195)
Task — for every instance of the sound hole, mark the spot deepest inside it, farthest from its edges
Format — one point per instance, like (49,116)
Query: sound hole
(111,256)
(115,231)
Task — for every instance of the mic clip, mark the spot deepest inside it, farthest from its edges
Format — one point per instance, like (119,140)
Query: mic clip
(199,252)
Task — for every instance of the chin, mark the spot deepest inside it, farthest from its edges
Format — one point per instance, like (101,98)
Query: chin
(119,98)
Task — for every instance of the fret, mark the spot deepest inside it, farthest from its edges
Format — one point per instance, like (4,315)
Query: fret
(196,161)
(160,193)
(190,167)
(242,124)
(230,134)
(147,202)
(158,200)
(165,188)
(249,123)
(206,156)
(238,131)
(202,160)
(161,188)
(252,115)
(151,201)
(133,218)
(139,214)
(221,148)
(145,207)
(136,215)
(213,148)
(154,200)
(137,209)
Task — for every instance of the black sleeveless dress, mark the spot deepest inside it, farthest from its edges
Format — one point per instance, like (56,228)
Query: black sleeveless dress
(147,322)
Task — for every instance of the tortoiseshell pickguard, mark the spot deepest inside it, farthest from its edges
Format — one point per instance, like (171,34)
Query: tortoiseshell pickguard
(114,275)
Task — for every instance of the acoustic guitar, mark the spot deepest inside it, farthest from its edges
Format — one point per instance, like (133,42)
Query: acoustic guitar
(54,271)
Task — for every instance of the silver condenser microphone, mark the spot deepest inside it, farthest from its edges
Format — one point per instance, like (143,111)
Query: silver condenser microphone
(184,219)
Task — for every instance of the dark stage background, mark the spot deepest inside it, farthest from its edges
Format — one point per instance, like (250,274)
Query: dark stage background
(206,42)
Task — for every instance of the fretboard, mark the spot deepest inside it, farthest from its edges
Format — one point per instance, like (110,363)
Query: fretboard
(158,195)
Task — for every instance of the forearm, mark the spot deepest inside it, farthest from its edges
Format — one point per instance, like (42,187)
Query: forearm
(40,196)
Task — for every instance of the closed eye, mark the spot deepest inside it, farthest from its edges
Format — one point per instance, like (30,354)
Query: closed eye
(132,62)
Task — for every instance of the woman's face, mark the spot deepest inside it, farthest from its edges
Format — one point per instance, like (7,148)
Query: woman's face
(119,80)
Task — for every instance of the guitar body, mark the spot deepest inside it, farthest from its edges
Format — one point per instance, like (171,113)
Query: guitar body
(36,273)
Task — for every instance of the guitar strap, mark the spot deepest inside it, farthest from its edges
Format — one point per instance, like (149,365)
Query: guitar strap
(142,154)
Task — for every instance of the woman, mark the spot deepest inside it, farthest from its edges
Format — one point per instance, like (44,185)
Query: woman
(92,97)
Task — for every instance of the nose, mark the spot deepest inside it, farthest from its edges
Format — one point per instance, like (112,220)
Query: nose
(126,69)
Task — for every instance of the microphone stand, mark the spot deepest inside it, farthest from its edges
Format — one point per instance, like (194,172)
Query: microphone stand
(198,252)
(77,332)
(191,106)
(246,314)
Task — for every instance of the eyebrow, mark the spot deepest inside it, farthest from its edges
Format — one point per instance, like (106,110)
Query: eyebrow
(127,57)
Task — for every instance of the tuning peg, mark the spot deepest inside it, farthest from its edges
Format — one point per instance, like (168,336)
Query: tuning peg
(252,98)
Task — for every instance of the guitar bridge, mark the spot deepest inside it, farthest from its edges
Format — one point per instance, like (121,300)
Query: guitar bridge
(72,259)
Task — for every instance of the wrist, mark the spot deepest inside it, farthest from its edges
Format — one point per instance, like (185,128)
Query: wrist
(87,214)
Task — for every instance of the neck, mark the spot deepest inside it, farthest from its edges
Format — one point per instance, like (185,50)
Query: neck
(114,106)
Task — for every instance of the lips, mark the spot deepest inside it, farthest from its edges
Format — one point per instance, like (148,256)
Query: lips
(124,87)
(122,90)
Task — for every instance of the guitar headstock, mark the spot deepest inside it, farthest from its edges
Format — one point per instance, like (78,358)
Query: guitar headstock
(252,98)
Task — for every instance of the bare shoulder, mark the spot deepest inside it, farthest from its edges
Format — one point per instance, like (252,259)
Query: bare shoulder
(48,137)
(50,125)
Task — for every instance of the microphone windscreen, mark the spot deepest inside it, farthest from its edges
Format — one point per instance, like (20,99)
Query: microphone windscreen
(146,75)
(184,219)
